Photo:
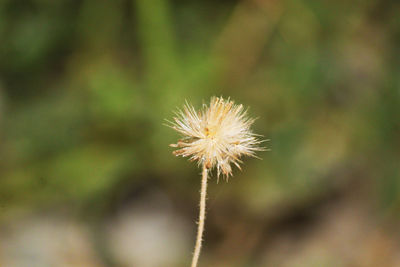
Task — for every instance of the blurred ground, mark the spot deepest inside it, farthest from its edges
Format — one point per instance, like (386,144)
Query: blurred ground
(86,174)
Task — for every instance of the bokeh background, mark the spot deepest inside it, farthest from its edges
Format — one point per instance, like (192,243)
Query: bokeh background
(86,174)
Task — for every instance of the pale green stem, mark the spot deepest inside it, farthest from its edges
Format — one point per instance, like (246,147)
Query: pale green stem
(202,217)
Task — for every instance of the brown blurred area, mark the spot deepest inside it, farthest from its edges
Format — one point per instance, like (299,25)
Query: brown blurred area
(86,174)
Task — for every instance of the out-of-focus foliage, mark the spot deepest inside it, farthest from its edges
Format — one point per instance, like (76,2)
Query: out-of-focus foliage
(85,87)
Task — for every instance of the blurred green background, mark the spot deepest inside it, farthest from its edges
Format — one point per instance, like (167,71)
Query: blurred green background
(86,174)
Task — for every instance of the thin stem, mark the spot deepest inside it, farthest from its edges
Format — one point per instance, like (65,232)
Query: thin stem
(202,217)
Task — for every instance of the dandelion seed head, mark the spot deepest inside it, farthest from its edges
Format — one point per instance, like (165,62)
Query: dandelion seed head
(216,136)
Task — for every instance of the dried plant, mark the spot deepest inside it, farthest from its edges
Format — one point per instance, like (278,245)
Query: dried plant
(216,136)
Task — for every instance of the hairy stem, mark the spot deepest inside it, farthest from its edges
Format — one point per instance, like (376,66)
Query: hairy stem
(202,217)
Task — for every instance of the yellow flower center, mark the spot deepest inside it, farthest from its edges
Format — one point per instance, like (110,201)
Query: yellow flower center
(211,132)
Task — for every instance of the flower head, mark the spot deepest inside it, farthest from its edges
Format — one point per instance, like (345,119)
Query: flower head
(216,136)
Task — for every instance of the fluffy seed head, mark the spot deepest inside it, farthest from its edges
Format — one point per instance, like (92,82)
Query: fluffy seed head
(215,136)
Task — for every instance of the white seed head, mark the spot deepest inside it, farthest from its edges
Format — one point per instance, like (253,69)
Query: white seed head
(215,136)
